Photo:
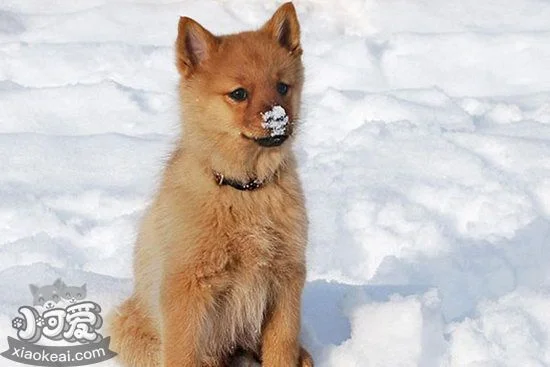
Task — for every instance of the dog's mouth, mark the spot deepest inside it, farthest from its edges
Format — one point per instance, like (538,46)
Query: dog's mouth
(268,141)
(271,141)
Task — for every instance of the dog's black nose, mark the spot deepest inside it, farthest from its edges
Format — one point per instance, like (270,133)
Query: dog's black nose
(271,141)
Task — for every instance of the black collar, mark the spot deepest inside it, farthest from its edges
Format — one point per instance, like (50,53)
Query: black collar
(251,185)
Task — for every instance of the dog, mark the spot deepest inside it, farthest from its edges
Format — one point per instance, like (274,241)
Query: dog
(219,261)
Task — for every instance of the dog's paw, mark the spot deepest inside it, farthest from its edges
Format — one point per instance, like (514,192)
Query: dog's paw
(305,358)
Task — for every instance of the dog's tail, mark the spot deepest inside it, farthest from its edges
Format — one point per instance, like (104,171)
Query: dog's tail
(133,337)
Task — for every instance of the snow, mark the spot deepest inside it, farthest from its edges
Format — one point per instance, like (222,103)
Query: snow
(275,120)
(424,148)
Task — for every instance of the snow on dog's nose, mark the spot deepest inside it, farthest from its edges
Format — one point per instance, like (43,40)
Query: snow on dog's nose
(275,120)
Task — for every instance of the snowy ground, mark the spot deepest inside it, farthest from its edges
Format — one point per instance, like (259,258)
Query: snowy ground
(425,154)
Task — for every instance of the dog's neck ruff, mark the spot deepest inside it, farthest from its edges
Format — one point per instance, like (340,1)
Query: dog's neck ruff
(251,185)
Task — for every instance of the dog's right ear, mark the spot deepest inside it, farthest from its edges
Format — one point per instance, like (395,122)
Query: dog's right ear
(285,28)
(194,45)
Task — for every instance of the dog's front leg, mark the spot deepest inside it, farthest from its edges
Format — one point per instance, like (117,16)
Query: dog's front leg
(183,307)
(280,344)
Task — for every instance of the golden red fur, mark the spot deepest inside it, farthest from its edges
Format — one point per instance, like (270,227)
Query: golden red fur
(218,270)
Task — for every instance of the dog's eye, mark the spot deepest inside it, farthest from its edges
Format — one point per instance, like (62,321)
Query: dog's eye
(239,94)
(282,88)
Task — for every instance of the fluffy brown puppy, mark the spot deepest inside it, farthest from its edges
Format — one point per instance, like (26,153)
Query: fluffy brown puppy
(220,257)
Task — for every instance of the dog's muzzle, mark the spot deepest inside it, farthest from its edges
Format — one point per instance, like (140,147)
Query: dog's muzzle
(276,122)
(271,141)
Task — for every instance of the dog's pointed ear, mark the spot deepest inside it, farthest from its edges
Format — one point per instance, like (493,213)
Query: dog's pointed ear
(285,28)
(34,289)
(59,283)
(194,45)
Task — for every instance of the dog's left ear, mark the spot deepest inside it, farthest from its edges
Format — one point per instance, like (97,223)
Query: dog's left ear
(284,27)
(58,283)
(194,45)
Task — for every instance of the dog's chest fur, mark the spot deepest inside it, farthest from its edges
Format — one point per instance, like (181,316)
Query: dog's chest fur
(238,312)
(244,269)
